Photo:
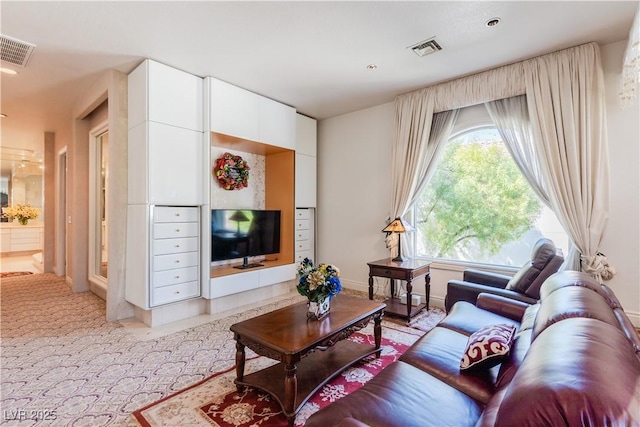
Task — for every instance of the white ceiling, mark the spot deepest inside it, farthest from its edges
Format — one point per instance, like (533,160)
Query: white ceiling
(310,55)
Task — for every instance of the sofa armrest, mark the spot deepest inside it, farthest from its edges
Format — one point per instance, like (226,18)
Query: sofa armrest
(503,306)
(486,278)
(465,291)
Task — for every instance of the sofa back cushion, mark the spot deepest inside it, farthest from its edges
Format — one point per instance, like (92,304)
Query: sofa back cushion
(578,372)
(563,279)
(570,302)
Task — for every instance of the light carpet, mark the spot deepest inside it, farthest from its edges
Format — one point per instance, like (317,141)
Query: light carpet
(216,402)
(61,358)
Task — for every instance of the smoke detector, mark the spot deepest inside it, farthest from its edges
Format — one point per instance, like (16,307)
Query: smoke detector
(15,51)
(426,47)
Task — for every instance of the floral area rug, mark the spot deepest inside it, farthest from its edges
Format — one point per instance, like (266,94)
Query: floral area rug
(216,402)
(14,274)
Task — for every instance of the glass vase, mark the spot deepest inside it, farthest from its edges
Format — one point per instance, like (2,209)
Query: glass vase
(23,221)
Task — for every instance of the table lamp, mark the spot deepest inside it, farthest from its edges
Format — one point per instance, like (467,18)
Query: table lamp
(399,226)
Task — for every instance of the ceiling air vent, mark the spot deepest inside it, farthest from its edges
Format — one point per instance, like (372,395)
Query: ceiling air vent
(426,47)
(15,51)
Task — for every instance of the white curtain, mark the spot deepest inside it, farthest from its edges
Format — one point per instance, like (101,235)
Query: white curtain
(420,136)
(511,117)
(565,94)
(568,160)
(512,120)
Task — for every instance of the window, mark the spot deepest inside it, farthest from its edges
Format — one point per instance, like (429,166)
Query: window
(478,207)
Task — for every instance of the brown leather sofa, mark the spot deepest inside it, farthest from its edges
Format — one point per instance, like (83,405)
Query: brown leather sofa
(575,361)
(523,286)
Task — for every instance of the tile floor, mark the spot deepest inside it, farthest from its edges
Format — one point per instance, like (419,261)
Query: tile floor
(18,263)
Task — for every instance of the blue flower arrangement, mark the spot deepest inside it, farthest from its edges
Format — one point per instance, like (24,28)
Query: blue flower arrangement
(318,283)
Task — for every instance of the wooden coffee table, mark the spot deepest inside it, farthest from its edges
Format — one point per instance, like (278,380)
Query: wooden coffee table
(310,352)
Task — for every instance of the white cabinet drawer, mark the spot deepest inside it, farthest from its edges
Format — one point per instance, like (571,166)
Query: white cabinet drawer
(174,214)
(173,277)
(302,234)
(174,246)
(170,230)
(301,255)
(5,240)
(174,293)
(302,224)
(169,262)
(302,245)
(302,214)
(33,246)
(25,233)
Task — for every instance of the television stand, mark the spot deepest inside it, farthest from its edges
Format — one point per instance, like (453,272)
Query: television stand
(245,264)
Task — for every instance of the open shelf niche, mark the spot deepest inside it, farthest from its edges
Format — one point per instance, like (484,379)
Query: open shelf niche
(279,183)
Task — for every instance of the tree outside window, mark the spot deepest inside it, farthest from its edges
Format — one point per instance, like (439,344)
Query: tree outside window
(478,207)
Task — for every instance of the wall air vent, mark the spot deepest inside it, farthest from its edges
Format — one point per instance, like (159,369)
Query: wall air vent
(15,51)
(426,47)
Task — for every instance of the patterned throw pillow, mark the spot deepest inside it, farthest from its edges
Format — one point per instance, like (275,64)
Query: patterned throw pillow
(488,346)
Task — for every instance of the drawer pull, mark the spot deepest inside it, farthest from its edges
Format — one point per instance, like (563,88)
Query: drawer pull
(177,277)
(177,292)
(177,261)
(177,213)
(177,246)
(177,230)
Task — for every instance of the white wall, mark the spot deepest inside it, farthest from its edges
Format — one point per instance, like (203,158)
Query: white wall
(622,238)
(354,160)
(354,152)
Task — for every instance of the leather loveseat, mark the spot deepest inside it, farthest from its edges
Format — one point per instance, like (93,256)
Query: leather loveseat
(574,360)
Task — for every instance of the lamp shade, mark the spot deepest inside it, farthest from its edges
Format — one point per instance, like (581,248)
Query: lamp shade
(398,225)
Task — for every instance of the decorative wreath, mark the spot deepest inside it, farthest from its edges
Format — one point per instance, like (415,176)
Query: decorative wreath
(232,172)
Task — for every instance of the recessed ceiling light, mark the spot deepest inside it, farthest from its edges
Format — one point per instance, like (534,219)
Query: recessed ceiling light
(8,71)
(492,22)
(372,67)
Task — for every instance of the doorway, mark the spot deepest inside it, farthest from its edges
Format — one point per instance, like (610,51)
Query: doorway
(98,208)
(61,215)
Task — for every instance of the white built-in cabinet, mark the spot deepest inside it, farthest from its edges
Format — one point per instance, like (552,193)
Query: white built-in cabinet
(246,115)
(18,238)
(165,136)
(305,185)
(306,161)
(165,185)
(304,234)
(171,121)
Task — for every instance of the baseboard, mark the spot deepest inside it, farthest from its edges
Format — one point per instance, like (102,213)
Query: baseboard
(634,317)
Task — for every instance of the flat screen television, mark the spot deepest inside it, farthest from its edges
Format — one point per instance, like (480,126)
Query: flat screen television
(244,233)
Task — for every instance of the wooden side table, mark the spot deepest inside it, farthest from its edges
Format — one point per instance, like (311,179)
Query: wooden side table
(407,271)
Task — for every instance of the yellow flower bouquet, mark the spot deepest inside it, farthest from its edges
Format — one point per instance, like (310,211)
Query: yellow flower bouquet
(23,213)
